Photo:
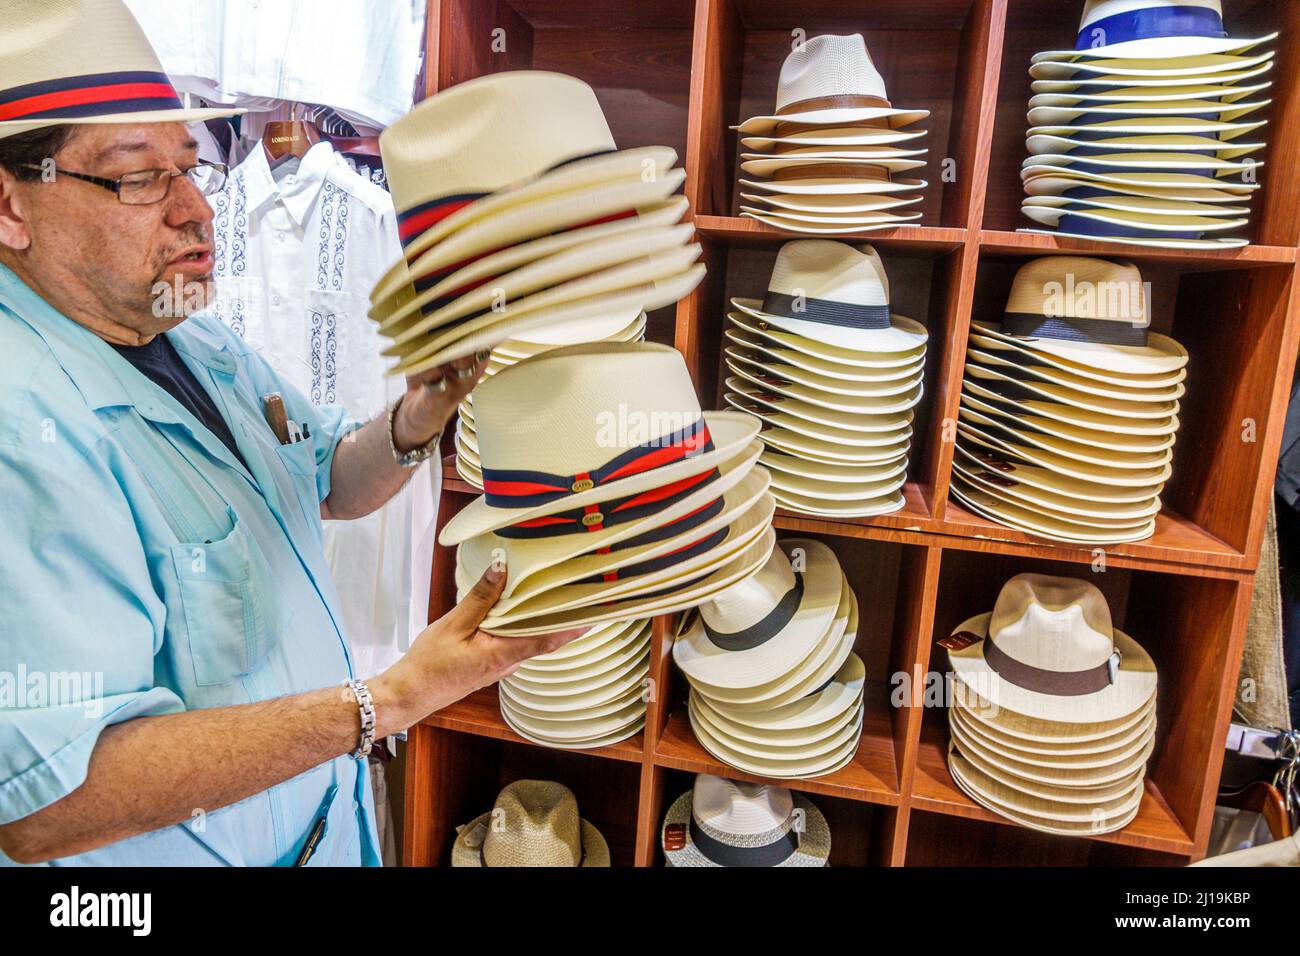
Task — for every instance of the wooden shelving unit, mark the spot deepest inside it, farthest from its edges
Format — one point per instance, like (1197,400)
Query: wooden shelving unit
(681,72)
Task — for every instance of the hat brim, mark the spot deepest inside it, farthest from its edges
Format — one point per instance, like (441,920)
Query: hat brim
(1102,470)
(899,402)
(870,388)
(1120,408)
(837,437)
(1053,144)
(866,424)
(730,433)
(595,851)
(1052,529)
(1141,225)
(785,447)
(1200,65)
(606,740)
(830,370)
(1157,48)
(818,507)
(1091,82)
(738,480)
(991,338)
(812,711)
(1086,493)
(1069,415)
(999,721)
(897,118)
(834,186)
(903,335)
(1181,116)
(1083,385)
(616,655)
(1095,754)
(739,534)
(833,136)
(1197,189)
(1029,497)
(199,115)
(1153,207)
(678,599)
(701,659)
(1203,244)
(815,765)
(1052,776)
(514,351)
(806,225)
(832,355)
(814,843)
(578,176)
(592,656)
(777,747)
(829,205)
(1012,418)
(1154,95)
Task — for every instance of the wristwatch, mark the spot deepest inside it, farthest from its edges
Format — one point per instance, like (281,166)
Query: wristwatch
(415,455)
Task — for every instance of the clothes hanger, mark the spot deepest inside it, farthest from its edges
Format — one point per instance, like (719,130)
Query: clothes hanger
(1265,799)
(292,138)
(1278,800)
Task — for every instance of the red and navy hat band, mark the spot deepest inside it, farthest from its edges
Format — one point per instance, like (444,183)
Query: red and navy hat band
(96,94)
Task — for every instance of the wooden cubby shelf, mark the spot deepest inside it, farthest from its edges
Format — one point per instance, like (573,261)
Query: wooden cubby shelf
(682,72)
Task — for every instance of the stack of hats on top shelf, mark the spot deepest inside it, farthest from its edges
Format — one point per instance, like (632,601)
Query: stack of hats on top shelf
(721,822)
(616,328)
(1069,406)
(1143,134)
(829,160)
(834,377)
(516,213)
(776,689)
(608,495)
(589,693)
(1053,710)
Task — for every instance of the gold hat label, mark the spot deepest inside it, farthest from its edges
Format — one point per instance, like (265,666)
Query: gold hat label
(581,485)
(593,519)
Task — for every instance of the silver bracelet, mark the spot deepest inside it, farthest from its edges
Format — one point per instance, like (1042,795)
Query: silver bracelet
(416,455)
(367,705)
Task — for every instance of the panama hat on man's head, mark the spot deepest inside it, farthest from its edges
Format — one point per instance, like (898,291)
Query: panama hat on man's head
(533,823)
(83,62)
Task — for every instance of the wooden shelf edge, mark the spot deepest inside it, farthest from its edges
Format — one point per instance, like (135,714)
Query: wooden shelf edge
(996,240)
(927,238)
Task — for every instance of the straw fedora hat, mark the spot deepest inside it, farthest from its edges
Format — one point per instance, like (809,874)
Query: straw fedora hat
(836,294)
(1049,651)
(980,477)
(757,349)
(1203,68)
(834,179)
(1091,311)
(822,225)
(822,352)
(532,823)
(737,486)
(762,627)
(1151,30)
(83,62)
(841,693)
(863,134)
(831,756)
(589,424)
(1053,527)
(878,421)
(830,80)
(1094,83)
(726,823)
(1174,115)
(827,205)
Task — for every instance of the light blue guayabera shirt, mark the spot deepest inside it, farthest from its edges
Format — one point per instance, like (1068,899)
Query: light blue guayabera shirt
(145,571)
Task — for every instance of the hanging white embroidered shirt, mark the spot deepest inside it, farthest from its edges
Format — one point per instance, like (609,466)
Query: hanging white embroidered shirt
(297,250)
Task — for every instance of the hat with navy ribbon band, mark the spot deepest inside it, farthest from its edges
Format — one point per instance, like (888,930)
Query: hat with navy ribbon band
(1151,30)
(83,62)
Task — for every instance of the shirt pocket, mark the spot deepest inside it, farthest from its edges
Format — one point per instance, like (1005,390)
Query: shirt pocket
(299,460)
(226,620)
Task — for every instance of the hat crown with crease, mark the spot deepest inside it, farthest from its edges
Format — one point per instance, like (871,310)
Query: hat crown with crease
(738,813)
(1051,623)
(485,135)
(573,409)
(533,823)
(826,66)
(1079,298)
(749,602)
(825,271)
(1108,22)
(82,61)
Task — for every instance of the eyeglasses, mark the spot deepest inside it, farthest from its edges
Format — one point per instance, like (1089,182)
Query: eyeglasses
(148,186)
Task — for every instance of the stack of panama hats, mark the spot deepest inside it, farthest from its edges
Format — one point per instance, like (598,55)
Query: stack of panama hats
(1144,133)
(1053,710)
(532,823)
(776,689)
(517,212)
(833,158)
(1069,406)
(721,822)
(590,693)
(627,327)
(607,493)
(833,376)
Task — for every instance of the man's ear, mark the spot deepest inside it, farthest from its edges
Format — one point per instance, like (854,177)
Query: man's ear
(13,213)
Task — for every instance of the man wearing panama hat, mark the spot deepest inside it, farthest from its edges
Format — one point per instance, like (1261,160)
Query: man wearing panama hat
(160,524)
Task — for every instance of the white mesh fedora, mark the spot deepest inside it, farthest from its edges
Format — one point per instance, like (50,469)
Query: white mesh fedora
(834,293)
(1151,30)
(532,823)
(83,62)
(831,80)
(726,823)
(1049,651)
(591,425)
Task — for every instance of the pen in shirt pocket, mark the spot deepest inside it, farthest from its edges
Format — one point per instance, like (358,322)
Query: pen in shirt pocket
(287,431)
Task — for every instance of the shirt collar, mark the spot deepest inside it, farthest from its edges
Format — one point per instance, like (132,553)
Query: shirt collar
(298,196)
(98,372)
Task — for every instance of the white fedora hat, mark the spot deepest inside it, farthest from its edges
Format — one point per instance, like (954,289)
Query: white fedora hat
(83,62)
(1058,180)
(755,363)
(830,80)
(737,487)
(585,425)
(1155,98)
(826,703)
(990,339)
(979,476)
(1025,403)
(1065,795)
(836,294)
(1018,385)
(1046,522)
(1088,310)
(1204,68)
(759,629)
(815,224)
(1092,754)
(1093,83)
(1010,769)
(1156,208)
(532,823)
(843,404)
(1090,141)
(843,440)
(822,352)
(1111,471)
(1049,651)
(795,765)
(999,721)
(834,179)
(1151,30)
(754,345)
(828,205)
(1095,223)
(594,649)
(1042,479)
(1009,417)
(1168,116)
(863,134)
(1012,363)
(724,823)
(773,746)
(878,421)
